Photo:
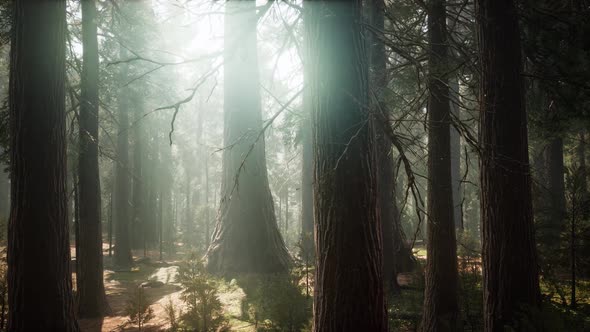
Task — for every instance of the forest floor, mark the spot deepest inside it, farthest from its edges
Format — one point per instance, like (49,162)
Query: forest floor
(160,290)
(119,286)
(404,309)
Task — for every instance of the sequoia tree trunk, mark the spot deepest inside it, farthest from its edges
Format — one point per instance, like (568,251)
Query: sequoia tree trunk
(91,295)
(441,304)
(510,275)
(348,293)
(246,237)
(38,232)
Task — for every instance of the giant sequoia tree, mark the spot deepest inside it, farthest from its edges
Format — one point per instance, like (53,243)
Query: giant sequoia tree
(510,276)
(349,288)
(91,294)
(441,307)
(38,247)
(246,237)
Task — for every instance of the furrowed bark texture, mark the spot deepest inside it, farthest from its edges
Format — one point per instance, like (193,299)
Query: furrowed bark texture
(348,294)
(38,235)
(441,305)
(246,237)
(510,276)
(91,295)
(385,172)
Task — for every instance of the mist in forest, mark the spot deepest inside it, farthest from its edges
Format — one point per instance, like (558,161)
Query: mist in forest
(325,166)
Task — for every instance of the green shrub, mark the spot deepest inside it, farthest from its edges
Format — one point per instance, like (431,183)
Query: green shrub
(138,308)
(172,315)
(203,309)
(276,303)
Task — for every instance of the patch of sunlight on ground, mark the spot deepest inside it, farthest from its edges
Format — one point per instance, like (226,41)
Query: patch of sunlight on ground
(231,297)
(166,275)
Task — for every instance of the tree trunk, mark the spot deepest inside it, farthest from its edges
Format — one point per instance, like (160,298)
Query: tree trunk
(138,224)
(76,223)
(510,275)
(556,194)
(573,255)
(188,226)
(91,295)
(246,237)
(397,256)
(123,258)
(307,245)
(456,156)
(581,162)
(38,233)
(4,193)
(441,305)
(286,192)
(307,228)
(385,169)
(161,224)
(348,294)
(207,217)
(110,226)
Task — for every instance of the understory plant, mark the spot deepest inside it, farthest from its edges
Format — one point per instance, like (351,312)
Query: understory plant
(204,312)
(138,308)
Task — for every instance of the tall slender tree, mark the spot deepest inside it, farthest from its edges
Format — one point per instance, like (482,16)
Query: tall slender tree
(89,277)
(123,257)
(510,275)
(138,222)
(246,237)
(555,173)
(306,183)
(38,234)
(385,170)
(307,244)
(455,143)
(397,256)
(581,162)
(4,192)
(348,294)
(441,305)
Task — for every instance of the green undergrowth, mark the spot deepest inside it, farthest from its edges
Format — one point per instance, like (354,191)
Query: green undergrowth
(275,302)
